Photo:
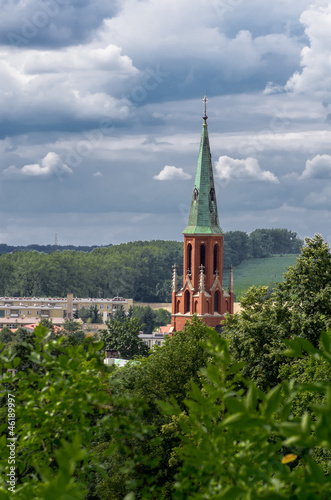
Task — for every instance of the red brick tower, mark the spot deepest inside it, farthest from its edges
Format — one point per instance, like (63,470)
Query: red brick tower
(202,292)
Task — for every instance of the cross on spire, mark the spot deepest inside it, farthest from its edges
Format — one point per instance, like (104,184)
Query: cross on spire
(205,100)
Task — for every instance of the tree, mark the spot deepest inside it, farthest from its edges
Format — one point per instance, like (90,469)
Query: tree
(303,299)
(146,316)
(72,332)
(79,437)
(236,248)
(6,335)
(243,445)
(166,374)
(56,409)
(255,338)
(123,337)
(89,315)
(300,305)
(162,317)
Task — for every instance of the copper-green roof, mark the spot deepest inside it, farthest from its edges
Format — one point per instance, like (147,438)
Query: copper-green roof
(203,217)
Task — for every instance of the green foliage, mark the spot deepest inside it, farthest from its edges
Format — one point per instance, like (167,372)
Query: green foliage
(123,337)
(162,317)
(151,319)
(166,374)
(236,443)
(141,270)
(255,338)
(6,335)
(89,314)
(146,317)
(300,305)
(260,244)
(56,406)
(181,424)
(303,299)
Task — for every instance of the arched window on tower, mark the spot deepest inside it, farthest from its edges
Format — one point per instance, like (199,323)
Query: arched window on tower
(189,258)
(215,267)
(195,194)
(216,301)
(187,302)
(203,255)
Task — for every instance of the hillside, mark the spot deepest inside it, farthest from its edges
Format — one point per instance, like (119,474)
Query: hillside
(259,272)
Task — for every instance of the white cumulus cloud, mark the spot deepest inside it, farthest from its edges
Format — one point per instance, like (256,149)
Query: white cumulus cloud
(230,168)
(318,167)
(50,165)
(170,173)
(315,58)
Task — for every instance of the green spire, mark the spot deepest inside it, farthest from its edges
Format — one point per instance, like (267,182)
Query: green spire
(203,217)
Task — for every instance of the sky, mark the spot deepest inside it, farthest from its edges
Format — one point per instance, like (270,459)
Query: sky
(101,117)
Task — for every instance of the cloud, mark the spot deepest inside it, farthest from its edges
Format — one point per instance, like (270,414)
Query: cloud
(318,167)
(49,166)
(230,168)
(26,23)
(320,200)
(98,174)
(85,80)
(169,173)
(315,58)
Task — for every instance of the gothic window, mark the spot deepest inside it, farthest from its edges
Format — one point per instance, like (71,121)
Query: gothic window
(215,258)
(187,302)
(195,194)
(212,194)
(196,306)
(202,255)
(189,257)
(216,301)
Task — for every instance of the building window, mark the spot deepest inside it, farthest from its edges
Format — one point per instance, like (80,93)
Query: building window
(216,301)
(189,258)
(202,255)
(187,301)
(101,306)
(215,258)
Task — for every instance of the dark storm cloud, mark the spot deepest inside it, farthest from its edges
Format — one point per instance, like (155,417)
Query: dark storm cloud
(144,67)
(51,23)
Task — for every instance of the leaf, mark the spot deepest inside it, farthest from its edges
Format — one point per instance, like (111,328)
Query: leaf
(235,368)
(272,401)
(16,362)
(234,405)
(290,457)
(326,341)
(232,493)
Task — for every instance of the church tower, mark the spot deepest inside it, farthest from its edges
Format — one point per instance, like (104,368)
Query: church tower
(202,292)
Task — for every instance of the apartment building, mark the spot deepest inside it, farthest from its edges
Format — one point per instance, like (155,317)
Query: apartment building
(18,311)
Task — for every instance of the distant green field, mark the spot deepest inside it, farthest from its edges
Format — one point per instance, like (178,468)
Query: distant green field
(259,272)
